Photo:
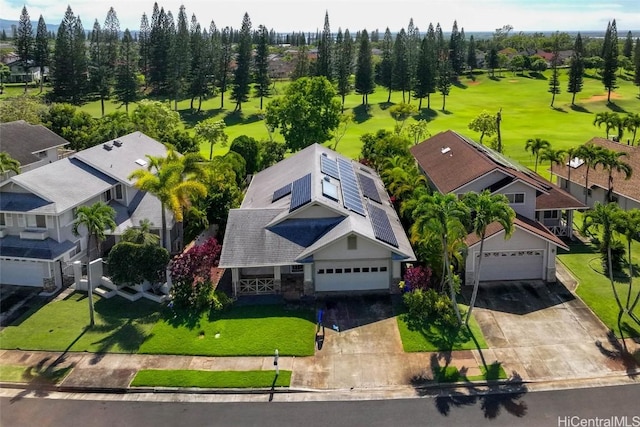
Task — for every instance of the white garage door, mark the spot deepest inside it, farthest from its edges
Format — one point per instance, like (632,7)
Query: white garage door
(512,265)
(352,276)
(24,273)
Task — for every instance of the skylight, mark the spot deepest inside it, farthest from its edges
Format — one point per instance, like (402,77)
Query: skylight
(141,162)
(576,162)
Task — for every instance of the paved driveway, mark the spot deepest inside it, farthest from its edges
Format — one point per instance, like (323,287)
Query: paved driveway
(542,331)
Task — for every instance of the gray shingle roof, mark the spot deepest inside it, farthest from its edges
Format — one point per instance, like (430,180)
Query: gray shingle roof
(250,239)
(143,206)
(21,139)
(120,161)
(49,249)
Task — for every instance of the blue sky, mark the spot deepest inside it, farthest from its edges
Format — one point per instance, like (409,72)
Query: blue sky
(308,15)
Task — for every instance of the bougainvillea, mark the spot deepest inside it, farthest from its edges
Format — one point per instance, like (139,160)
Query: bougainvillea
(196,263)
(418,278)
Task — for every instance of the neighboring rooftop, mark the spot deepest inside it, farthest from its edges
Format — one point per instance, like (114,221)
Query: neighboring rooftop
(629,188)
(21,140)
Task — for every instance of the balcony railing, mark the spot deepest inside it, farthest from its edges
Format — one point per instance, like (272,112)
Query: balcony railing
(257,286)
(34,234)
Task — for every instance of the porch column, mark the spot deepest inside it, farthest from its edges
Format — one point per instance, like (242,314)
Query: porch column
(277,279)
(308,279)
(570,224)
(235,276)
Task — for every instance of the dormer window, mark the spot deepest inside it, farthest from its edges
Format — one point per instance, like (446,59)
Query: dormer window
(515,198)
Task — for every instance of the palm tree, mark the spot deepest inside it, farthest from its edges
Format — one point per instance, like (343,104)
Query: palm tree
(553,157)
(486,208)
(571,154)
(96,219)
(401,181)
(8,164)
(141,235)
(535,145)
(610,161)
(589,153)
(632,123)
(604,217)
(173,183)
(629,226)
(610,120)
(442,216)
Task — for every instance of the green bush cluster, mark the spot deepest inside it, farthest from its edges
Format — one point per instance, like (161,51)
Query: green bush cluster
(429,306)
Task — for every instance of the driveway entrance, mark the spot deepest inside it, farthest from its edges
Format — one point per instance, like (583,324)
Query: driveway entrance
(542,331)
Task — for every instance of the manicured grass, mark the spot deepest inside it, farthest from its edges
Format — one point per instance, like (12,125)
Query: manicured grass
(583,260)
(211,379)
(146,327)
(451,374)
(241,331)
(431,338)
(28,374)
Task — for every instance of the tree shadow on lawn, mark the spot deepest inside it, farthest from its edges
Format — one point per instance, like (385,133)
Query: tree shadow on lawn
(615,107)
(617,352)
(492,397)
(443,337)
(362,113)
(459,84)
(559,109)
(191,118)
(426,114)
(579,108)
(237,117)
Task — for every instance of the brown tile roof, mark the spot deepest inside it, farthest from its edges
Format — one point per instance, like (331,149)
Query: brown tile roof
(450,169)
(523,223)
(466,161)
(599,177)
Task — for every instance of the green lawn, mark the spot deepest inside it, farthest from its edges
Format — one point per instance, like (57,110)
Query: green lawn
(595,289)
(210,379)
(28,374)
(451,374)
(431,338)
(146,327)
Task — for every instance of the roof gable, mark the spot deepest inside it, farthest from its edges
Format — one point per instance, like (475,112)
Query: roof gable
(21,140)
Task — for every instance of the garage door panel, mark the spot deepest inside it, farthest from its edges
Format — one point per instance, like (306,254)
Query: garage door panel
(512,265)
(23,273)
(344,276)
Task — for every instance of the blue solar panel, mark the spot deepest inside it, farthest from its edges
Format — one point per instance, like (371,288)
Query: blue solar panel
(351,197)
(381,225)
(300,192)
(329,167)
(281,192)
(369,188)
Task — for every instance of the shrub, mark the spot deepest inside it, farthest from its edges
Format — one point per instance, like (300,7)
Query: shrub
(429,306)
(196,263)
(199,296)
(132,263)
(617,256)
(418,278)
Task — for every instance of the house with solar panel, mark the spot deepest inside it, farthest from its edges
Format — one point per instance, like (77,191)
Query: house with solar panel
(38,208)
(315,222)
(455,164)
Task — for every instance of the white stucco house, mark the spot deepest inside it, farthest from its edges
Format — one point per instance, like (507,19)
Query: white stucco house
(315,222)
(455,164)
(38,208)
(626,192)
(31,145)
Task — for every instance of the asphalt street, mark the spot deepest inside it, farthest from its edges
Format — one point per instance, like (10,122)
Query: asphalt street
(602,406)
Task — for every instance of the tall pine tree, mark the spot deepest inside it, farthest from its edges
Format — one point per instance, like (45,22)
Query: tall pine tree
(627,49)
(242,75)
(180,59)
(636,64)
(401,76)
(576,69)
(25,44)
(456,50)
(344,63)
(224,65)
(325,51)
(385,70)
(144,47)
(198,84)
(554,81)
(100,74)
(127,87)
(364,83)
(69,64)
(610,56)
(413,49)
(41,49)
(472,60)
(262,79)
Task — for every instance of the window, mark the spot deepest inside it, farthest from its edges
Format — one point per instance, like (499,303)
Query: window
(365,269)
(329,270)
(338,271)
(3,221)
(347,270)
(36,221)
(296,268)
(352,243)
(383,268)
(374,269)
(515,198)
(321,271)
(588,191)
(356,270)
(119,192)
(107,195)
(550,215)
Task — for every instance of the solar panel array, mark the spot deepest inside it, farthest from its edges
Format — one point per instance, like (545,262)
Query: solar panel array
(350,193)
(381,225)
(329,167)
(281,192)
(300,192)
(369,189)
